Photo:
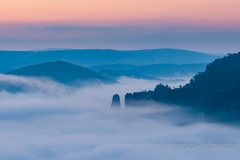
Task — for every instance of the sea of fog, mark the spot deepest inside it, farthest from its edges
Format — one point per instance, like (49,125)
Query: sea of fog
(57,122)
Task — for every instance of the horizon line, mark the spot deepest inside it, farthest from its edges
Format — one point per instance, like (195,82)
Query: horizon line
(112,49)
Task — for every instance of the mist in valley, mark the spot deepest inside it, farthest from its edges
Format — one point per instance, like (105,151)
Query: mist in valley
(49,120)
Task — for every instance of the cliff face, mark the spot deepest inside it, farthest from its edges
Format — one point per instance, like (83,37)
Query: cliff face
(116,101)
(138,98)
(216,91)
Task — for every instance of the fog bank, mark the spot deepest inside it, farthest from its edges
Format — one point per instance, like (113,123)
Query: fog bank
(53,121)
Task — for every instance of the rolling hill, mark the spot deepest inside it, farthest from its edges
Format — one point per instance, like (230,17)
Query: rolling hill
(154,70)
(60,71)
(15,59)
(115,74)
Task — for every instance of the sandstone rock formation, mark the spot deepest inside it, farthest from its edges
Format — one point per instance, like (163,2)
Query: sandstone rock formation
(116,101)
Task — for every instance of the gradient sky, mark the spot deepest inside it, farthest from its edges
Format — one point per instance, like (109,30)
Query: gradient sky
(202,25)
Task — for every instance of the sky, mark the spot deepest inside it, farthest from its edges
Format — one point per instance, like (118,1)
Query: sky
(201,25)
(52,121)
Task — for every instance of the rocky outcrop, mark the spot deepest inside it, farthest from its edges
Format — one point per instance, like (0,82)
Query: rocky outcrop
(129,101)
(138,98)
(116,101)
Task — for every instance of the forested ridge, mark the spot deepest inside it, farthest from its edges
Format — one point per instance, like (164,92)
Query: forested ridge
(216,91)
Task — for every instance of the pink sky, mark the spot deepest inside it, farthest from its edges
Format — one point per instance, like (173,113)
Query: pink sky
(201,12)
(201,25)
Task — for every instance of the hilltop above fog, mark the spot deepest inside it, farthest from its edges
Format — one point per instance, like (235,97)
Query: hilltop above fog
(216,91)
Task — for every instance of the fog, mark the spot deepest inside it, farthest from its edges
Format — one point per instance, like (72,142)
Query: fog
(53,121)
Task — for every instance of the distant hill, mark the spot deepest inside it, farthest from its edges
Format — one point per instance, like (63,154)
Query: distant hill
(17,59)
(3,70)
(60,71)
(154,70)
(216,91)
(113,67)
(115,74)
